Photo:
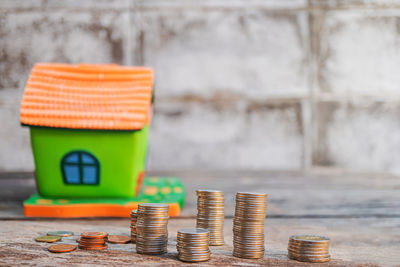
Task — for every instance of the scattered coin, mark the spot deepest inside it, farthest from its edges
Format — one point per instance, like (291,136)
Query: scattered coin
(248,225)
(61,248)
(309,248)
(93,247)
(210,214)
(118,239)
(151,228)
(61,233)
(192,244)
(48,238)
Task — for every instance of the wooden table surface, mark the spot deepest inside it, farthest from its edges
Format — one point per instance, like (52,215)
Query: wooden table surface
(359,212)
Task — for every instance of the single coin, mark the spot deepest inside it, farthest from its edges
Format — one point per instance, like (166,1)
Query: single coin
(301,248)
(118,239)
(82,243)
(312,255)
(61,248)
(134,213)
(308,259)
(92,240)
(94,234)
(309,244)
(308,252)
(193,231)
(309,238)
(153,205)
(209,192)
(93,248)
(48,238)
(61,233)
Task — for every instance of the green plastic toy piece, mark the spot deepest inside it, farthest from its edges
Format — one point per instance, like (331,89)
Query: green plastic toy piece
(154,190)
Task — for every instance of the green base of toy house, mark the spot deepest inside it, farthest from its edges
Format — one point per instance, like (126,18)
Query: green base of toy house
(168,190)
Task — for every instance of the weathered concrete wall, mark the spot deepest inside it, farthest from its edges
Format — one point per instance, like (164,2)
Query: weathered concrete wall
(240,84)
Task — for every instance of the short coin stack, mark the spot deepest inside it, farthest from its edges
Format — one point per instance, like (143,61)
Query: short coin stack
(93,240)
(133,225)
(309,248)
(248,225)
(151,228)
(192,244)
(210,214)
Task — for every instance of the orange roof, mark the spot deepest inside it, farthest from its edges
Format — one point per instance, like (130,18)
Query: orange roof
(108,97)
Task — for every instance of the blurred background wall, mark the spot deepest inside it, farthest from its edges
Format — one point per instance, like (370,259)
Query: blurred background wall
(240,84)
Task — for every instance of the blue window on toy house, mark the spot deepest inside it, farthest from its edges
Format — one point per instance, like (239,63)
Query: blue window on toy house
(80,167)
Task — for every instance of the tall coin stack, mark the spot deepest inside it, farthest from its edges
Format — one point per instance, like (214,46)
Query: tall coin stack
(151,228)
(210,214)
(133,225)
(309,248)
(192,244)
(248,225)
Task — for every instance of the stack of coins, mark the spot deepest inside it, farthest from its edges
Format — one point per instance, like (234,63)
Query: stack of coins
(151,229)
(93,240)
(133,225)
(192,245)
(248,225)
(309,248)
(210,214)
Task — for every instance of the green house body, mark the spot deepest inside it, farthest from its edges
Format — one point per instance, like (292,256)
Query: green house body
(88,163)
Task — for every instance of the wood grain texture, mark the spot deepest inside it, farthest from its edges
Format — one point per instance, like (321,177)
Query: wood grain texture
(359,212)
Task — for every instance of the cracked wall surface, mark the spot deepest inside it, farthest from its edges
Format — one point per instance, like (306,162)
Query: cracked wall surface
(240,84)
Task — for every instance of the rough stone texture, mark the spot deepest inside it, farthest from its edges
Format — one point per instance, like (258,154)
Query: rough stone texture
(361,53)
(239,84)
(45,33)
(206,51)
(265,135)
(358,104)
(15,153)
(359,135)
(61,35)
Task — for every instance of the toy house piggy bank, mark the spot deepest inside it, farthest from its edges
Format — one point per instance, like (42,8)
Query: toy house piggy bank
(89,135)
(89,127)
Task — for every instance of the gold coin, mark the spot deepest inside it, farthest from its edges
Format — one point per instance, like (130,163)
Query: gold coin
(309,259)
(48,238)
(93,247)
(308,252)
(118,239)
(94,235)
(92,240)
(61,233)
(61,248)
(309,238)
